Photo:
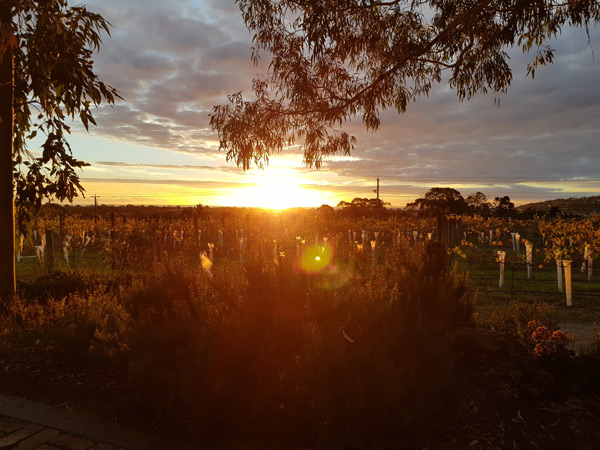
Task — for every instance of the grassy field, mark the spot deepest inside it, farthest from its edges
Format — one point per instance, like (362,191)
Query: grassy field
(484,274)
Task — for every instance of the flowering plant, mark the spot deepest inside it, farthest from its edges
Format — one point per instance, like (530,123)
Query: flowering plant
(546,342)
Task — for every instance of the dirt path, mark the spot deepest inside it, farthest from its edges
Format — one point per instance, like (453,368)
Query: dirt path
(584,333)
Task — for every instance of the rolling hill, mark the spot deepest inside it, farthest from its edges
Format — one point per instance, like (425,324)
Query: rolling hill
(578,206)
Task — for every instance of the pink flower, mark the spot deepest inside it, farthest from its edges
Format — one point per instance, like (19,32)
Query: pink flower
(541,334)
(532,325)
(559,337)
(542,349)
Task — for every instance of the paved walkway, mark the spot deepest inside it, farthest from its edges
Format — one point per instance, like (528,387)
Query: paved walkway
(27,425)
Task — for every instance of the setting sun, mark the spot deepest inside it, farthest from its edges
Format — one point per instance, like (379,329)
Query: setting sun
(275,190)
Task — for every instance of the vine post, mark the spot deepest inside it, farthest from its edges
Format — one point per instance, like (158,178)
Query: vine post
(529,253)
(501,258)
(567,265)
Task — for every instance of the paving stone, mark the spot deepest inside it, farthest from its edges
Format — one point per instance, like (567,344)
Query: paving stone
(72,442)
(19,435)
(33,442)
(8,424)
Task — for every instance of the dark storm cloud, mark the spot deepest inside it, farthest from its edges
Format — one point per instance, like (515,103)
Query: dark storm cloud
(172,63)
(544,129)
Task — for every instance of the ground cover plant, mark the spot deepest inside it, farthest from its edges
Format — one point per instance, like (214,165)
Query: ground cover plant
(299,330)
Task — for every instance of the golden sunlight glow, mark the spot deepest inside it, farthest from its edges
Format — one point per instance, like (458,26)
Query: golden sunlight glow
(275,190)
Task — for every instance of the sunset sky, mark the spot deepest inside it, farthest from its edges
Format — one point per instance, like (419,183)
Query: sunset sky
(172,61)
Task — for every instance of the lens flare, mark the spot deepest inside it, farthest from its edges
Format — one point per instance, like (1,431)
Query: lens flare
(320,260)
(337,275)
(315,259)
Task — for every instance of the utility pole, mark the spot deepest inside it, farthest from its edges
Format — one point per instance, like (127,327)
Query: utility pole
(7,209)
(377,190)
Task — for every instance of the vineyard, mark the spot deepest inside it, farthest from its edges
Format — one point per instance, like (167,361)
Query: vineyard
(542,248)
(301,327)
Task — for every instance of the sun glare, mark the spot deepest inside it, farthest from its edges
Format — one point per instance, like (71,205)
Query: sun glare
(275,190)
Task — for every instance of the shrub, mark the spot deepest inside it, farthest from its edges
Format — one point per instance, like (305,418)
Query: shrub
(59,284)
(263,347)
(77,327)
(350,356)
(515,318)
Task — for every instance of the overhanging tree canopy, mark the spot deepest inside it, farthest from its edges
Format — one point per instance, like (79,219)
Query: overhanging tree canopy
(332,61)
(54,84)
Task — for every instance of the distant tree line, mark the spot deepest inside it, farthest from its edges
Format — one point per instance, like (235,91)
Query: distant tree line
(363,207)
(436,201)
(445,200)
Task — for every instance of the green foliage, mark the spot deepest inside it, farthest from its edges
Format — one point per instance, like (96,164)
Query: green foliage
(551,370)
(556,370)
(332,62)
(351,352)
(60,284)
(514,318)
(79,328)
(355,355)
(54,76)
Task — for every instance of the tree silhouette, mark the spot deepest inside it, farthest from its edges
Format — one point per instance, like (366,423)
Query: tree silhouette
(363,207)
(478,204)
(50,45)
(503,207)
(440,201)
(332,61)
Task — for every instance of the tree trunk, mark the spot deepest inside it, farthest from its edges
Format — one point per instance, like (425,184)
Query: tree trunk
(7,212)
